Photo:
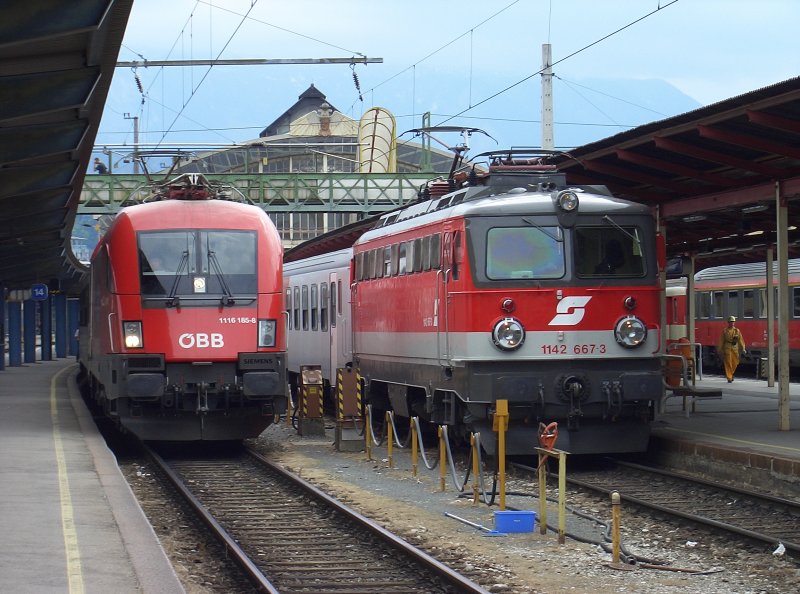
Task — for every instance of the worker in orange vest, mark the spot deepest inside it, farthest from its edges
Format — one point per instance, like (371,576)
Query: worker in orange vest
(730,345)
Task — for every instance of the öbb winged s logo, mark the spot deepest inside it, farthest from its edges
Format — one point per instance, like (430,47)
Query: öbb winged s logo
(570,311)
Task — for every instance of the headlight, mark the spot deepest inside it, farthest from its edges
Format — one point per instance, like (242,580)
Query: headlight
(266,333)
(630,332)
(567,201)
(132,333)
(508,334)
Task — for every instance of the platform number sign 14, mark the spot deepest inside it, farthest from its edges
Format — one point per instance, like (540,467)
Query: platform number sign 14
(39,292)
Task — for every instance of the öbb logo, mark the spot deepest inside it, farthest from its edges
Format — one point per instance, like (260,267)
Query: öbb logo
(201,341)
(570,311)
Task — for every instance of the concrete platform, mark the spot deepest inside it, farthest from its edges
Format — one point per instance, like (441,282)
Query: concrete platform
(735,437)
(70,521)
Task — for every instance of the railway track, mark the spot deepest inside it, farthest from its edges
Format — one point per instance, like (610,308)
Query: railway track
(753,515)
(289,537)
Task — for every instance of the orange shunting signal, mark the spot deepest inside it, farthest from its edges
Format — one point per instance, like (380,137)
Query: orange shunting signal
(548,434)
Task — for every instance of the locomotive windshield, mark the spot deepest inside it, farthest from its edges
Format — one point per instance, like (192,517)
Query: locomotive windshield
(608,252)
(192,263)
(528,251)
(524,252)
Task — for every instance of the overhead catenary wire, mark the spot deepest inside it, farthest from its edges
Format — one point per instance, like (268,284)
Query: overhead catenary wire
(205,75)
(572,83)
(413,66)
(567,57)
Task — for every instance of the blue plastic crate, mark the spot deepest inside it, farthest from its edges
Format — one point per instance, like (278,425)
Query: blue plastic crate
(514,521)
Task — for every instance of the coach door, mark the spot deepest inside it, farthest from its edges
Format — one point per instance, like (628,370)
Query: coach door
(340,332)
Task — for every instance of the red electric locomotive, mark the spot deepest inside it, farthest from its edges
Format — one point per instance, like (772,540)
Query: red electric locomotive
(182,334)
(735,290)
(514,286)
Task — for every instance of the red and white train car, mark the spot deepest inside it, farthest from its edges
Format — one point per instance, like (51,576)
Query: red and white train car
(182,334)
(516,286)
(735,290)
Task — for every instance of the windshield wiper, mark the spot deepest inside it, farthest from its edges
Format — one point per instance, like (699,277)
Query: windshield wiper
(172,300)
(227,299)
(544,230)
(614,223)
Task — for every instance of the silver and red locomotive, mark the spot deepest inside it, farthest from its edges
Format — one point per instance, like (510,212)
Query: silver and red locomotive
(182,334)
(510,285)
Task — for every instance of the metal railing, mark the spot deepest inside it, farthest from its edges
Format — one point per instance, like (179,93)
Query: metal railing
(300,192)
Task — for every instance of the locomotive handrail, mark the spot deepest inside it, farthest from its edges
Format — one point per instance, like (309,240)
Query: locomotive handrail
(285,314)
(684,366)
(353,291)
(438,318)
(698,356)
(447,359)
(111,331)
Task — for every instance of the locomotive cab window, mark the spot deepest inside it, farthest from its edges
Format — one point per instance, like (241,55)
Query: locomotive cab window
(524,253)
(609,251)
(198,263)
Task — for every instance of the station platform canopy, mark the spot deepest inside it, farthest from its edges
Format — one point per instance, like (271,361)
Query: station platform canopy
(714,174)
(56,63)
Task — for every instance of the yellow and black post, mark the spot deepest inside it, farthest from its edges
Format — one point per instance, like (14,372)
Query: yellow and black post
(348,410)
(311,387)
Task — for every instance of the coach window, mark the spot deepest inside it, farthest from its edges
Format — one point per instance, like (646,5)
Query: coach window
(323,307)
(314,307)
(305,307)
(435,251)
(703,304)
(762,302)
(748,304)
(296,306)
(333,305)
(387,261)
(289,307)
(733,304)
(796,302)
(717,298)
(339,297)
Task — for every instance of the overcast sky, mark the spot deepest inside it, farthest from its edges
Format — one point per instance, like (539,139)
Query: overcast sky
(452,58)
